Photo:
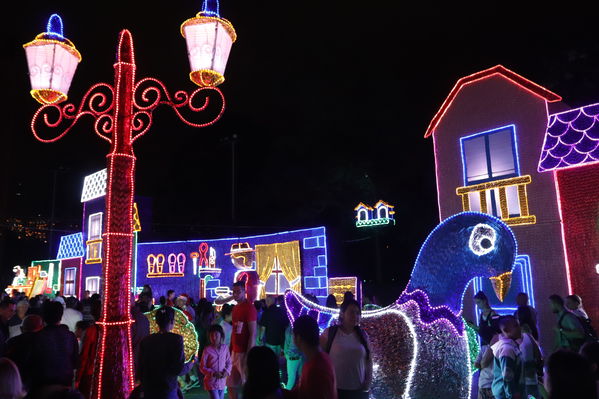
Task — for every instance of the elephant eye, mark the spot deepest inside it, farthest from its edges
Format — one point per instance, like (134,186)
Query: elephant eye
(482,239)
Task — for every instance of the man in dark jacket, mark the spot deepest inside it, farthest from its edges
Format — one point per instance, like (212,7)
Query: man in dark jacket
(55,352)
(7,311)
(19,348)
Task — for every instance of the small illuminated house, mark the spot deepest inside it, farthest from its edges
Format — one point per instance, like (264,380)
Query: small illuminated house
(504,146)
(381,214)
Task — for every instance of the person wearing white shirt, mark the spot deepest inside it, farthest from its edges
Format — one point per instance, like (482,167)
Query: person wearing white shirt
(71,316)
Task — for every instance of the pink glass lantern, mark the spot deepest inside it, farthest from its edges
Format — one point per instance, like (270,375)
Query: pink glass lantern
(52,60)
(209,39)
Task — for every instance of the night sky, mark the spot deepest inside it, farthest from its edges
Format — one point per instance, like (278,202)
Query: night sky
(327,104)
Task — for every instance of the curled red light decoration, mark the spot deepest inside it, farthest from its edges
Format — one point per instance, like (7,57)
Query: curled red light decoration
(149,93)
(97,102)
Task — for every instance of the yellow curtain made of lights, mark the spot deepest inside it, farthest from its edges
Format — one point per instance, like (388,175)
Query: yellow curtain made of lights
(289,258)
(265,262)
(288,254)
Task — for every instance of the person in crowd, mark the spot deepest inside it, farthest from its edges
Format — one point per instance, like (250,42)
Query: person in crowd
(189,307)
(574,304)
(484,362)
(162,359)
(144,302)
(312,298)
(215,363)
(89,345)
(85,307)
(331,302)
(80,328)
(19,347)
(347,295)
(318,375)
(590,351)
(35,305)
(147,290)
(71,315)
(139,330)
(488,322)
(162,301)
(243,338)
(58,298)
(569,332)
(226,314)
(170,298)
(7,311)
(14,324)
(569,375)
(55,351)
(260,306)
(526,315)
(181,304)
(508,381)
(293,357)
(349,349)
(263,381)
(273,322)
(532,363)
(10,380)
(205,318)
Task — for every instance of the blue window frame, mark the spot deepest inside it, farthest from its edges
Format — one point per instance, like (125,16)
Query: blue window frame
(490,155)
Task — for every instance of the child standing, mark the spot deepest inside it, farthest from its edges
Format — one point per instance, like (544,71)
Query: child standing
(215,363)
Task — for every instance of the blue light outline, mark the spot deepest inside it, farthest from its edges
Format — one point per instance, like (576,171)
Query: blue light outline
(487,133)
(452,217)
(206,11)
(526,279)
(55,21)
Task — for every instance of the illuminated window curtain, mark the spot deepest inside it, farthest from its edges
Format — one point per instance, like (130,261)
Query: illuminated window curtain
(289,258)
(265,262)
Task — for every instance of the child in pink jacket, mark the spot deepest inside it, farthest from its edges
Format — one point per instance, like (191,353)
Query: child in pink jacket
(216,363)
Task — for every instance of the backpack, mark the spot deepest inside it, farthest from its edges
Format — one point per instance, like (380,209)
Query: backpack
(590,335)
(333,331)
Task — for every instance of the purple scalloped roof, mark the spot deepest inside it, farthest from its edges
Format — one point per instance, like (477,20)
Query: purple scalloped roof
(572,139)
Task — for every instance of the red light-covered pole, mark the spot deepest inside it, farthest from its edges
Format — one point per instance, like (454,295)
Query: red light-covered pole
(122,114)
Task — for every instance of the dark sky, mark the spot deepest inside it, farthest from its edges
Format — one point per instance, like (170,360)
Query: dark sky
(329,103)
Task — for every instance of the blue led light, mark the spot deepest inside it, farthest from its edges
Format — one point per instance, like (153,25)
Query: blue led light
(512,127)
(438,257)
(54,28)
(211,8)
(521,266)
(71,246)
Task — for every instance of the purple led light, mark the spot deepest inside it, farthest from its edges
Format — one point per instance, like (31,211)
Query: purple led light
(571,139)
(428,313)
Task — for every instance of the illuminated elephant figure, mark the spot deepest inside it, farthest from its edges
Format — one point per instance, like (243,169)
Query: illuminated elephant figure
(419,343)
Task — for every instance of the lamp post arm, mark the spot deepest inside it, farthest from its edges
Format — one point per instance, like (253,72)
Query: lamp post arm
(149,93)
(98,102)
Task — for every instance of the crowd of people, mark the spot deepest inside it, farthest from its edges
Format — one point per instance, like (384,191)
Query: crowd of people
(512,364)
(250,350)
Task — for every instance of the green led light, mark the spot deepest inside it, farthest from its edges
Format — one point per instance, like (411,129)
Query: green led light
(374,222)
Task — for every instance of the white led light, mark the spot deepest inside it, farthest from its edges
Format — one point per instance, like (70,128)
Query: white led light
(94,186)
(597,268)
(482,239)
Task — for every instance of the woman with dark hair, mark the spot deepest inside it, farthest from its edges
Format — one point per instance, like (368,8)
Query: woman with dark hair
(331,301)
(349,349)
(161,359)
(488,322)
(569,375)
(263,381)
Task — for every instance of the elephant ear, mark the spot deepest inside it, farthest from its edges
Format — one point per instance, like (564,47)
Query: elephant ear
(393,349)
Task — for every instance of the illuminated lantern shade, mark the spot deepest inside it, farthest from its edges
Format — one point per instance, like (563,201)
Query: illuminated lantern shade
(209,39)
(52,60)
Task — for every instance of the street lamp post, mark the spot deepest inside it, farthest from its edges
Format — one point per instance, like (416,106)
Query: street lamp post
(122,114)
